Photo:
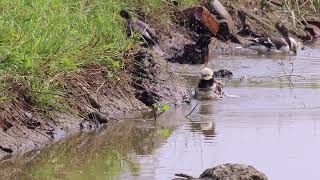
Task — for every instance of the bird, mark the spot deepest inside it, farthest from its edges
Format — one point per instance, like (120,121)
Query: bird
(143,29)
(275,45)
(208,87)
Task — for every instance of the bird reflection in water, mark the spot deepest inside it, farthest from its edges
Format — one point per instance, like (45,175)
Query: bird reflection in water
(203,121)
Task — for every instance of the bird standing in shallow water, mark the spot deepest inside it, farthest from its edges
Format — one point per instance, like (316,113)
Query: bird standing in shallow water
(207,87)
(141,28)
(274,45)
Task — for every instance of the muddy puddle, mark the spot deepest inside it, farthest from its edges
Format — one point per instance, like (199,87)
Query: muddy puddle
(273,125)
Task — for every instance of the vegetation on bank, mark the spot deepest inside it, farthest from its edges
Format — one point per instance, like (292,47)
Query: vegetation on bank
(40,41)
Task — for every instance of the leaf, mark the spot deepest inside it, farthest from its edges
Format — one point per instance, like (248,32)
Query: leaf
(165,132)
(165,107)
(156,106)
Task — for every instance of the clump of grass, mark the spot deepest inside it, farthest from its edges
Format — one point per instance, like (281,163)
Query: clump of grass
(158,11)
(317,5)
(41,40)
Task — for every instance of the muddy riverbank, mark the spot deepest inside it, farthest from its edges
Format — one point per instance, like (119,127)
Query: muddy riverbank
(144,80)
(270,125)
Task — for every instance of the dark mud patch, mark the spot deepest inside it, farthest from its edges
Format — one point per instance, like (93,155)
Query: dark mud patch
(197,53)
(151,79)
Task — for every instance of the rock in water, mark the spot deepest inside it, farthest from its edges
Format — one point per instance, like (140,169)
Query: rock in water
(228,172)
(223,73)
(233,171)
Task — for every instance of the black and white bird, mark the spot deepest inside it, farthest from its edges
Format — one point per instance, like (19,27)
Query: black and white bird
(207,87)
(275,45)
(141,28)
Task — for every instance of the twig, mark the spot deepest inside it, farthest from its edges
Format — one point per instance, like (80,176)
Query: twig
(38,131)
(192,110)
(100,87)
(289,76)
(155,114)
(292,14)
(298,8)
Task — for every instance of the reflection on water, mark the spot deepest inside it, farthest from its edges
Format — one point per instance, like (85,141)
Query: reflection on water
(202,121)
(270,126)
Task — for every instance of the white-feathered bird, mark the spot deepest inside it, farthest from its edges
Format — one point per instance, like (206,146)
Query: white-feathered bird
(207,87)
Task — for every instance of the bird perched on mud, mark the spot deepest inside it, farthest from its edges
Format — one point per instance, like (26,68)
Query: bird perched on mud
(207,87)
(274,45)
(141,28)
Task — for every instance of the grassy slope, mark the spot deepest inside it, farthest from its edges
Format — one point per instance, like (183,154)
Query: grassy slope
(41,39)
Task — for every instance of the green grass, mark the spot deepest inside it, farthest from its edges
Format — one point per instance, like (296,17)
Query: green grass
(41,39)
(317,5)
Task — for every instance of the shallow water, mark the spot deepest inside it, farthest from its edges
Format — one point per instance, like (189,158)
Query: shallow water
(273,125)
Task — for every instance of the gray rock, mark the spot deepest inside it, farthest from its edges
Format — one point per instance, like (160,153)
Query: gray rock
(228,172)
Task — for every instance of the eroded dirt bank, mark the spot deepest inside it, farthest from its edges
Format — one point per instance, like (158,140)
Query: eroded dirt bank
(145,79)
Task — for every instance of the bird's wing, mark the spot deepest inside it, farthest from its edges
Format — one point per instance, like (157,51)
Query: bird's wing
(278,42)
(270,43)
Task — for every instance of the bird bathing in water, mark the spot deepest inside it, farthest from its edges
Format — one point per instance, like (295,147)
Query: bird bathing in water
(137,26)
(207,87)
(275,45)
